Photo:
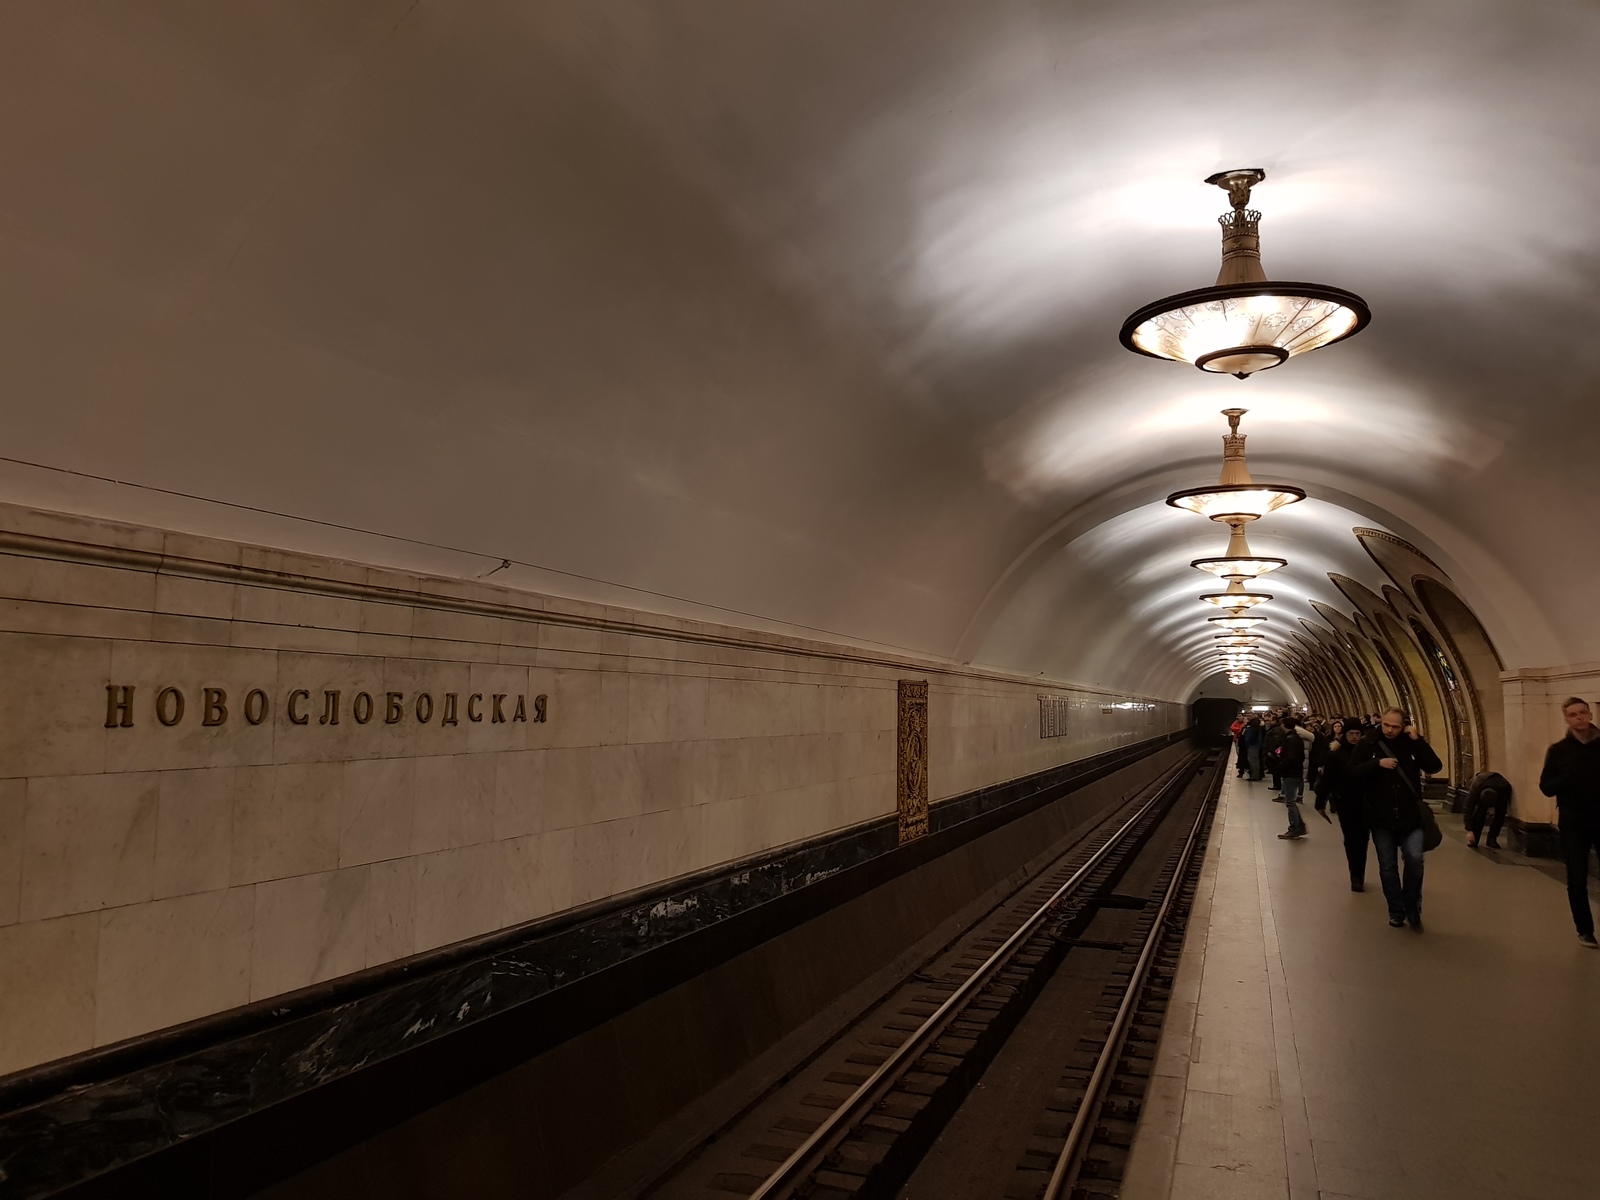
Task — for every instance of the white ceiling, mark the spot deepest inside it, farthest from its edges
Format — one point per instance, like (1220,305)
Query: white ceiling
(805,314)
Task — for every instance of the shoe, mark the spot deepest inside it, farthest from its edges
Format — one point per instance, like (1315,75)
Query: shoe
(1587,941)
(1323,813)
(1492,844)
(1397,922)
(1358,887)
(1472,841)
(1416,922)
(1291,837)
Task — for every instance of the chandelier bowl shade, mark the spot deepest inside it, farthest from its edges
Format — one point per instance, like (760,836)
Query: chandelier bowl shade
(1239,599)
(1242,328)
(1236,503)
(1239,570)
(1237,622)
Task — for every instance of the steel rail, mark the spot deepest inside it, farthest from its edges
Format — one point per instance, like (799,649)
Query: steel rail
(1063,1176)
(837,1121)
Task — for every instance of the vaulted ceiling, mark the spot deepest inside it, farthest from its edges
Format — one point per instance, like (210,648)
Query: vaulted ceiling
(805,315)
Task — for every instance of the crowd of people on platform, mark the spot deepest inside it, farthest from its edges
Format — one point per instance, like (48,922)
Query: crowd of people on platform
(1369,772)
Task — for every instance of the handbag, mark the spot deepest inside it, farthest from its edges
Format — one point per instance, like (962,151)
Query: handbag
(1432,835)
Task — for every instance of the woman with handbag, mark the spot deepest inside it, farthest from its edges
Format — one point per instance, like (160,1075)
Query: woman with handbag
(1388,767)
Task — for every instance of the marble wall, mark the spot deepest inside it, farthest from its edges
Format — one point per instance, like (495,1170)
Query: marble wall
(1533,720)
(154,873)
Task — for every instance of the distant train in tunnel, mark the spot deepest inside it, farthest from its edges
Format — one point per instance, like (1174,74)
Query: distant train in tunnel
(1211,717)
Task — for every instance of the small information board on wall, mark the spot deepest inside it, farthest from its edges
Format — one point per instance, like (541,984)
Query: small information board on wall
(912,744)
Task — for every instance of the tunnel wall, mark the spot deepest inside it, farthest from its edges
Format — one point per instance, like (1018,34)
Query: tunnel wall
(269,838)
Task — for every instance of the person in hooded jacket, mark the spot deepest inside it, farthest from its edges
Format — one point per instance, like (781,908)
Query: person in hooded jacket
(1388,767)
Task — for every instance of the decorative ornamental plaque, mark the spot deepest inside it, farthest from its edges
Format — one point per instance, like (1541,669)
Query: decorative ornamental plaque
(911,790)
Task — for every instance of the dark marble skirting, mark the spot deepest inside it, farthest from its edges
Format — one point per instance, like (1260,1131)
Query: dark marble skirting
(226,1105)
(1536,839)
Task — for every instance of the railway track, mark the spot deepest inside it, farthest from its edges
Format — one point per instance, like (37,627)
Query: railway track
(861,1116)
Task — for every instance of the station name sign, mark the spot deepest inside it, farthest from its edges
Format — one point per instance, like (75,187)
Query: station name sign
(170,705)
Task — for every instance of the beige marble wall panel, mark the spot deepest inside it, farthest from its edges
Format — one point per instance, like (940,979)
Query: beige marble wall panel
(308,928)
(13,806)
(172,960)
(285,821)
(249,860)
(47,1003)
(194,831)
(52,708)
(88,843)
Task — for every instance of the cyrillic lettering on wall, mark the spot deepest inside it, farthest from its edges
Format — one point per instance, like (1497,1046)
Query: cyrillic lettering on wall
(119,707)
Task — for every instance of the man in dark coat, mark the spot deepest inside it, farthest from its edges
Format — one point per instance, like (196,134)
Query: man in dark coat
(1489,792)
(1250,739)
(1388,767)
(1336,790)
(1272,739)
(1572,775)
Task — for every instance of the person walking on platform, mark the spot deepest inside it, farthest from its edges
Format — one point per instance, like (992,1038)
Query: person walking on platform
(1234,731)
(1336,790)
(1388,768)
(1293,763)
(1489,792)
(1572,775)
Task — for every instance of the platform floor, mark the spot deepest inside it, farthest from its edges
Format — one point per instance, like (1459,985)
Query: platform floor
(1312,1052)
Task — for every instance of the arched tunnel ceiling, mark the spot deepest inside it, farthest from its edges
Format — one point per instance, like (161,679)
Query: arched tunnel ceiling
(806,314)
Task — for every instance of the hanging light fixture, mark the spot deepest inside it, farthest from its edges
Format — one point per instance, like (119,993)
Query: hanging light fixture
(1230,641)
(1246,322)
(1238,677)
(1236,498)
(1238,564)
(1238,623)
(1236,597)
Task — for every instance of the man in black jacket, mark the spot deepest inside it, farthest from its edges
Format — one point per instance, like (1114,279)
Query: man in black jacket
(1489,792)
(1572,775)
(1387,768)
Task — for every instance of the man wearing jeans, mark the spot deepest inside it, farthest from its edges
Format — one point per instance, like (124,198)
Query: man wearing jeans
(1572,775)
(1293,764)
(1387,770)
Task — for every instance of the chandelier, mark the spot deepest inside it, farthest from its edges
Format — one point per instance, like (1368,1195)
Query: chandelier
(1236,498)
(1236,597)
(1246,322)
(1238,564)
(1237,641)
(1238,677)
(1236,622)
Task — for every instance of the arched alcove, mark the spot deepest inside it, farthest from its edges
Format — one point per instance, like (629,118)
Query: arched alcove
(1478,662)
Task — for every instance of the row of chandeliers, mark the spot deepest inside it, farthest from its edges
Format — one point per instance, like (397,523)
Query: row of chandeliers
(1244,324)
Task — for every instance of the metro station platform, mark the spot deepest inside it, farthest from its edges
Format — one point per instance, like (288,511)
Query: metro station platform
(1311,1051)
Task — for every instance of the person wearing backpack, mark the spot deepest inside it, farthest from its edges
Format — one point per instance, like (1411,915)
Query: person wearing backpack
(1388,767)
(1292,763)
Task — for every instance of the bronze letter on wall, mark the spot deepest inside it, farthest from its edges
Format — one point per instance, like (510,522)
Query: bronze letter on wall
(169,706)
(119,706)
(216,706)
(295,716)
(255,706)
(911,790)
